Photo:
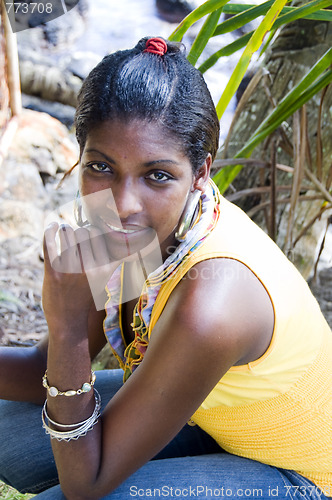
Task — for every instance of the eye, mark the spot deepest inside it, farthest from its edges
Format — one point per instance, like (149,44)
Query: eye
(98,166)
(159,176)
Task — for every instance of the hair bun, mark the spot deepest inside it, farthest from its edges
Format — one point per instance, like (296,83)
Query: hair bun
(156,46)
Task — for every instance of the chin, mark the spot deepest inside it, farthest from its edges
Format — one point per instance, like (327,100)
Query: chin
(132,247)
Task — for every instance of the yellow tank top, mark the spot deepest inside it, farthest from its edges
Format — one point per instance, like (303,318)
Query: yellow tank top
(277,409)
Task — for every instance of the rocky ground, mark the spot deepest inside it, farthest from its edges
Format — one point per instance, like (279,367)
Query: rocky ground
(41,151)
(22,319)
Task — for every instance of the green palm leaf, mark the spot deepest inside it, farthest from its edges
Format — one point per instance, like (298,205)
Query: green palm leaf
(194,16)
(253,45)
(288,14)
(204,36)
(316,79)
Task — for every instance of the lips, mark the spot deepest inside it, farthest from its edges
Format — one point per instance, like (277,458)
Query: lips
(128,229)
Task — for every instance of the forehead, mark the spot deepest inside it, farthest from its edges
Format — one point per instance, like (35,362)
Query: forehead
(133,135)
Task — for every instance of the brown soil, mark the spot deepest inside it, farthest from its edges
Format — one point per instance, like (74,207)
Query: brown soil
(21,276)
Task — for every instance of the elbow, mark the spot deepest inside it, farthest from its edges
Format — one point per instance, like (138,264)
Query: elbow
(72,494)
(85,491)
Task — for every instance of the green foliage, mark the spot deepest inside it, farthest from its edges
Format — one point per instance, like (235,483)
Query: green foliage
(276,14)
(305,181)
(8,493)
(318,78)
(6,296)
(252,46)
(203,37)
(246,15)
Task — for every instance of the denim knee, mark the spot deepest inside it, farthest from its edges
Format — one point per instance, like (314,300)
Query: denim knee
(26,457)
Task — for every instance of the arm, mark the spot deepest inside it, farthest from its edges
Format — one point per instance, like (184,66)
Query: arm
(22,368)
(207,326)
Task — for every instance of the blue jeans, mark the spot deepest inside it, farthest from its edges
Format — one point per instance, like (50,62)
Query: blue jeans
(192,465)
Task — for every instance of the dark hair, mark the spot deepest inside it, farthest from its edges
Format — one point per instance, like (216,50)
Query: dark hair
(164,88)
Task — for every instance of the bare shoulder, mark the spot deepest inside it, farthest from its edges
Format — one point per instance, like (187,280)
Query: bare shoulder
(211,322)
(221,301)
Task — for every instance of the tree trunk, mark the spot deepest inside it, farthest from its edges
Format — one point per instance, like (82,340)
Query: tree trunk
(296,49)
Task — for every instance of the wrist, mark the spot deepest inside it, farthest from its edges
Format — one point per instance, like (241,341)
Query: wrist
(54,391)
(65,345)
(68,327)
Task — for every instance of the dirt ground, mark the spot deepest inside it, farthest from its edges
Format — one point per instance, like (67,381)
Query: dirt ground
(21,275)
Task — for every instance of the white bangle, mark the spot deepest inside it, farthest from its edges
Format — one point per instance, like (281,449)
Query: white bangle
(54,392)
(82,428)
(64,426)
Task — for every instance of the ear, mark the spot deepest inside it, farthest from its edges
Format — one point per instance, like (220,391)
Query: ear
(201,178)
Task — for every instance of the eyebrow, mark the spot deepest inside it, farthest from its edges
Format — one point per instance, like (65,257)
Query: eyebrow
(92,150)
(147,164)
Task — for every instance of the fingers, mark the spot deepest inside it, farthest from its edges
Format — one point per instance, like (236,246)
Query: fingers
(69,253)
(82,238)
(67,260)
(97,265)
(98,246)
(49,244)
(66,237)
(79,250)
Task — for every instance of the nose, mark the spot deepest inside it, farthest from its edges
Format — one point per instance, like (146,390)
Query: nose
(127,200)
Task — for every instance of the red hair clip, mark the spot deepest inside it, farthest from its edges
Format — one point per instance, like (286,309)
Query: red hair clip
(156,46)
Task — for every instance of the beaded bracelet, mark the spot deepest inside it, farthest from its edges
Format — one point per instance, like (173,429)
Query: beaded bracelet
(53,391)
(82,428)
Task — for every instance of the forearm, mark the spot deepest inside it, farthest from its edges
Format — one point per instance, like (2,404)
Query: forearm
(75,326)
(69,367)
(21,370)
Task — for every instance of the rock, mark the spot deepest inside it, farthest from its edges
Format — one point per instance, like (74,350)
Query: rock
(82,63)
(49,82)
(62,112)
(22,182)
(28,52)
(174,11)
(42,150)
(20,218)
(61,197)
(42,71)
(64,29)
(53,89)
(53,31)
(82,6)
(45,141)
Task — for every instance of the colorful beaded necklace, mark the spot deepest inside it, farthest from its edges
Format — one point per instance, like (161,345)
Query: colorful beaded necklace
(130,356)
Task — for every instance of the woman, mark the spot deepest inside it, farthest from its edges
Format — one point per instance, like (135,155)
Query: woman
(223,332)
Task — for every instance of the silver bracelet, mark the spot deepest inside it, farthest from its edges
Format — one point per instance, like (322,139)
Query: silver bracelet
(64,426)
(54,392)
(82,428)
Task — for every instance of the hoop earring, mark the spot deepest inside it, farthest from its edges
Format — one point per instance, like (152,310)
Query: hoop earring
(188,215)
(78,211)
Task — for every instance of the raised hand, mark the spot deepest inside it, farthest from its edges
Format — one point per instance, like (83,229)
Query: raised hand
(77,269)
